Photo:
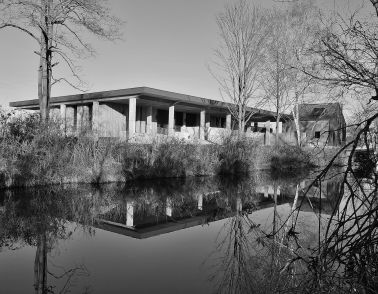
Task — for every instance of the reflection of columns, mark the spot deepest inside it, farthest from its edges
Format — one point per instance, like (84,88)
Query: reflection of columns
(149,120)
(267,133)
(129,213)
(132,116)
(266,192)
(202,124)
(168,207)
(228,121)
(171,120)
(200,202)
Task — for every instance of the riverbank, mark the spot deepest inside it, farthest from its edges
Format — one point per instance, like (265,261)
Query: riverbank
(49,160)
(32,154)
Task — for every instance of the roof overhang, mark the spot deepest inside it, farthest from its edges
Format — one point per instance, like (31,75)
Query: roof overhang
(146,95)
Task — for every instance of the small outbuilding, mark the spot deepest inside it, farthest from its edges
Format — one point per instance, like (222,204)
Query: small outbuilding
(322,124)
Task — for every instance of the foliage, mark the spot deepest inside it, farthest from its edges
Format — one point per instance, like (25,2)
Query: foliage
(38,153)
(287,158)
(172,158)
(236,156)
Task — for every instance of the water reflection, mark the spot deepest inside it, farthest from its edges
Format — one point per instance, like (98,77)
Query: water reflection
(252,245)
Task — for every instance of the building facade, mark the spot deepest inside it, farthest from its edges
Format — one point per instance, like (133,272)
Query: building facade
(147,112)
(322,124)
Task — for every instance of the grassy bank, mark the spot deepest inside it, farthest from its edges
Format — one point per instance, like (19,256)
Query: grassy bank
(33,154)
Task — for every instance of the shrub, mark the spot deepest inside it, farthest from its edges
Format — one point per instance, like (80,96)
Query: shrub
(172,158)
(236,155)
(286,158)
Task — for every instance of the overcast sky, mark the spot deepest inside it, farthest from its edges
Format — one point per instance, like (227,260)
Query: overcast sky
(168,45)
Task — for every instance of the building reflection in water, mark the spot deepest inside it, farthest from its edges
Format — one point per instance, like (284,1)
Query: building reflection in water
(153,209)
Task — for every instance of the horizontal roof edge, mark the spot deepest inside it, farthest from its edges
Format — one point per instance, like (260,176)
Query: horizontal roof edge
(136,91)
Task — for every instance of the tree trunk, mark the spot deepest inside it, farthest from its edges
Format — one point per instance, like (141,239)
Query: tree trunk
(44,74)
(40,265)
(277,127)
(241,123)
(296,123)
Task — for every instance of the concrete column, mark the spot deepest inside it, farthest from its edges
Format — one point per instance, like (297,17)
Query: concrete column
(70,120)
(129,213)
(171,120)
(202,124)
(149,120)
(82,118)
(75,119)
(132,116)
(79,112)
(95,124)
(267,133)
(63,125)
(228,121)
(154,120)
(273,126)
(137,119)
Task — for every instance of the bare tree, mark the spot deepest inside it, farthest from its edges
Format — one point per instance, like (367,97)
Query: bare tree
(303,26)
(285,85)
(57,26)
(239,58)
(278,73)
(347,55)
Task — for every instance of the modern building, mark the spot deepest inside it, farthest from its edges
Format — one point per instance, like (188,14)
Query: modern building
(146,112)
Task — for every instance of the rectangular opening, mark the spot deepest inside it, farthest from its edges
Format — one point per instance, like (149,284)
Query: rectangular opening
(317,135)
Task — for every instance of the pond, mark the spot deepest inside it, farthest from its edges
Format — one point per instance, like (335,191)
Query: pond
(195,235)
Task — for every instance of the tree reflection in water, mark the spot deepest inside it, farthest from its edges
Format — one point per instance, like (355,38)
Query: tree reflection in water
(252,257)
(40,218)
(249,257)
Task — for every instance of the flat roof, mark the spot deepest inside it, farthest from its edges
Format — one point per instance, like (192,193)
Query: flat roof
(146,94)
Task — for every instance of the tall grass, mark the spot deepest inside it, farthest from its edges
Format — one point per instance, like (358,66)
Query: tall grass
(34,153)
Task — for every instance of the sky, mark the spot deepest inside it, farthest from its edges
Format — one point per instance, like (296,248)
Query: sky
(168,44)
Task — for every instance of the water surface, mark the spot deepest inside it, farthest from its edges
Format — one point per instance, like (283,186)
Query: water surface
(199,235)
